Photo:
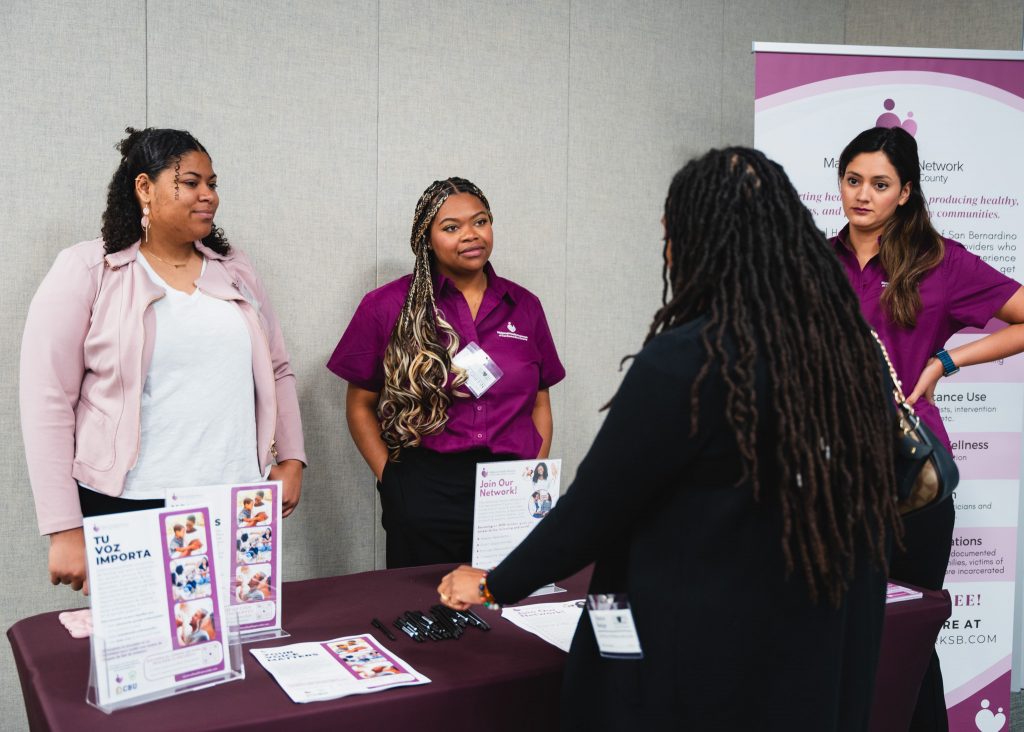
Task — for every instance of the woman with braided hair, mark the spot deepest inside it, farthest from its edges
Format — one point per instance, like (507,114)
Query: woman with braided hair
(917,289)
(421,421)
(753,435)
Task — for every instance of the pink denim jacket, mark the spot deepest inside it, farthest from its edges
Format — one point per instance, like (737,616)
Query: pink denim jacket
(86,350)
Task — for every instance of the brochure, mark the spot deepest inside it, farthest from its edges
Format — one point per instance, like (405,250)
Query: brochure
(354,664)
(899,593)
(159,622)
(247,536)
(554,622)
(511,498)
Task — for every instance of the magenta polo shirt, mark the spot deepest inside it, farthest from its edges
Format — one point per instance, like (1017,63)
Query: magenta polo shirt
(510,326)
(963,291)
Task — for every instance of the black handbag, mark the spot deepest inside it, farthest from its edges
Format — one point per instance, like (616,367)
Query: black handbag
(926,474)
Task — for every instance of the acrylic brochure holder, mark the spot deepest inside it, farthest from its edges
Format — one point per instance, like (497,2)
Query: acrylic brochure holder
(119,688)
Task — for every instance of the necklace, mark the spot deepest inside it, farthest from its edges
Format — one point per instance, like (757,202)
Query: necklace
(169,264)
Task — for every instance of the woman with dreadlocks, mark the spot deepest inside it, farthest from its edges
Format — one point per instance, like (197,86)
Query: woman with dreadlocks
(917,289)
(422,421)
(754,434)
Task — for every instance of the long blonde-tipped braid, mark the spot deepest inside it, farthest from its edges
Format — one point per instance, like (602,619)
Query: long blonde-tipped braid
(415,398)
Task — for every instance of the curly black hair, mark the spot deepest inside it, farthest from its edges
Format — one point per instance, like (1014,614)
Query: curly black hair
(148,151)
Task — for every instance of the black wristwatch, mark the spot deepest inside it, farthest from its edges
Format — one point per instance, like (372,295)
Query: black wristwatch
(948,367)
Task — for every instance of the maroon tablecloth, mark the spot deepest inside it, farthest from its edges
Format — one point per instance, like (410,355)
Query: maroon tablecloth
(502,679)
(908,637)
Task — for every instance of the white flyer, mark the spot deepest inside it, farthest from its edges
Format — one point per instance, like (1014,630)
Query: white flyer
(554,622)
(511,498)
(246,524)
(355,664)
(159,621)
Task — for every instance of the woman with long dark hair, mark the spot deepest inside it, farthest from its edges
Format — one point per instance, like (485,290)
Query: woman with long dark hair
(420,416)
(918,288)
(152,357)
(754,434)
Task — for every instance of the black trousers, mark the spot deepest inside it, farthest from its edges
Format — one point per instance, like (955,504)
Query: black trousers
(427,502)
(927,541)
(100,504)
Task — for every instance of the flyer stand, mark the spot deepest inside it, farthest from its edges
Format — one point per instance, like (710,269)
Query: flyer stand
(247,531)
(160,621)
(234,670)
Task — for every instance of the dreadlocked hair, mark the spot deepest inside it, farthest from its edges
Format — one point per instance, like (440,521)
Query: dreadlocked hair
(744,252)
(149,151)
(418,360)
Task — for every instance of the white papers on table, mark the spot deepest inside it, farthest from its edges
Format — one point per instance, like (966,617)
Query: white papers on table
(354,664)
(899,593)
(554,622)
(511,498)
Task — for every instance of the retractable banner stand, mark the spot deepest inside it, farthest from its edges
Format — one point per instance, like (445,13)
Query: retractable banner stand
(966,111)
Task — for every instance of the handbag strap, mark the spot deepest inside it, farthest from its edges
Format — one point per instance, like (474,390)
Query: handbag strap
(897,389)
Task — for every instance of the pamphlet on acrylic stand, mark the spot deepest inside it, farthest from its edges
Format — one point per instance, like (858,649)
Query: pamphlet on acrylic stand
(154,635)
(246,524)
(355,664)
(511,498)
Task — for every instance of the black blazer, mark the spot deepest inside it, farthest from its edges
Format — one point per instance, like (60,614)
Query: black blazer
(730,641)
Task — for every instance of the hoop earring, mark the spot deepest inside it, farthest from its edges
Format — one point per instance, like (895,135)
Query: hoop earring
(145,223)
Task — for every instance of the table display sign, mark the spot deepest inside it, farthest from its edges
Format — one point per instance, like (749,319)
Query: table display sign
(246,531)
(160,624)
(354,664)
(511,498)
(810,101)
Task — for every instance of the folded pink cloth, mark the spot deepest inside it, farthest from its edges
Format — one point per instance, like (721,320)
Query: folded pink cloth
(78,622)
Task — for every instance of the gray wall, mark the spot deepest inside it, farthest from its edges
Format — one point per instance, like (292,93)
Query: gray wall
(327,119)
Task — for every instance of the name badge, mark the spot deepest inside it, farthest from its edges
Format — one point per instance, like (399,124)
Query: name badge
(612,620)
(481,371)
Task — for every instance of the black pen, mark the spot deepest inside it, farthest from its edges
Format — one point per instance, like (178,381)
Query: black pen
(404,627)
(445,622)
(422,626)
(380,626)
(477,620)
(432,625)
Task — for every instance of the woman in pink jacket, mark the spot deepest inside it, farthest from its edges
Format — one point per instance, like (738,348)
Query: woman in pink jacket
(151,357)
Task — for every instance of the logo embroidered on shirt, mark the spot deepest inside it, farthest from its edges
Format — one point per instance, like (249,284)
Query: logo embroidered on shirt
(510,332)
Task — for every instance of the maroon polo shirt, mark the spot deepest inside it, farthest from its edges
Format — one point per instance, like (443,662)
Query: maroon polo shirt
(962,291)
(510,326)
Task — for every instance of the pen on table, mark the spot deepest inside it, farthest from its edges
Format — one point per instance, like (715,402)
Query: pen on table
(434,627)
(409,631)
(477,620)
(422,626)
(380,626)
(447,623)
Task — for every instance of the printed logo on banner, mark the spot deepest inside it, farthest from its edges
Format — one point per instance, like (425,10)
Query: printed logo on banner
(986,721)
(888,119)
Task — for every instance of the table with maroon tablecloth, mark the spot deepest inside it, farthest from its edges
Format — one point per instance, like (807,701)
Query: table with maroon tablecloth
(502,679)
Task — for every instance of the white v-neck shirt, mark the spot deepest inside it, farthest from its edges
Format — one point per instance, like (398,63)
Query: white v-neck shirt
(198,422)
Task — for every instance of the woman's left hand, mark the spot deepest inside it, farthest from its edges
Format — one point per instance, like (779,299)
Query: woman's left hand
(926,383)
(289,472)
(461,588)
